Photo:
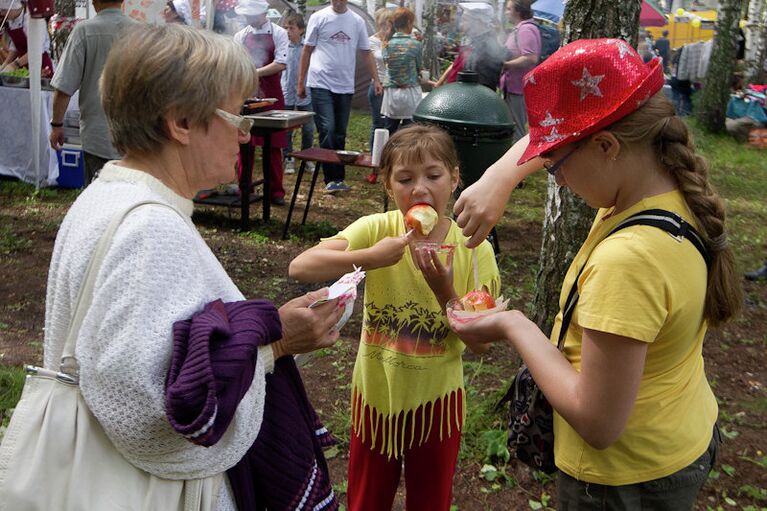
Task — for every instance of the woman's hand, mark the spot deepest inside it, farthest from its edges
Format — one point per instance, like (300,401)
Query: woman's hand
(439,277)
(388,251)
(306,329)
(479,208)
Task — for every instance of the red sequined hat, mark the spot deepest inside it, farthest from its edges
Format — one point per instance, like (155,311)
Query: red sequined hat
(583,88)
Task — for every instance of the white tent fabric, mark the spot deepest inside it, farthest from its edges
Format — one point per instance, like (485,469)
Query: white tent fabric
(35,36)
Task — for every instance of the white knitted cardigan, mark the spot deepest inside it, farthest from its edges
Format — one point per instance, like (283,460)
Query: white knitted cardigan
(158,270)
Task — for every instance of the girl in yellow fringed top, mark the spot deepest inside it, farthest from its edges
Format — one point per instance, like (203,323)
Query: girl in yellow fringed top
(407,389)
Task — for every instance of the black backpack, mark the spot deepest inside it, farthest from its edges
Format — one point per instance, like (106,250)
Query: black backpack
(550,40)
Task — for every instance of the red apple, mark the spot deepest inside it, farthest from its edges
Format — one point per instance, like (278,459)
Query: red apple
(422,218)
(477,300)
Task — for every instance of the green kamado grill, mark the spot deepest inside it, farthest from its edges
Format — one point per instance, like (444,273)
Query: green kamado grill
(478,121)
(476,118)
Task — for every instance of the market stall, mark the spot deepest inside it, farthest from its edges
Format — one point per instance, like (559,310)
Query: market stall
(17,153)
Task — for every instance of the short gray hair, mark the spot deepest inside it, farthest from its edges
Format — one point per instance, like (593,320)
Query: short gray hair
(153,71)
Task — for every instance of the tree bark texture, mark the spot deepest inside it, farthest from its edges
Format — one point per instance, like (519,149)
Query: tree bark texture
(591,19)
(568,218)
(430,57)
(716,86)
(756,40)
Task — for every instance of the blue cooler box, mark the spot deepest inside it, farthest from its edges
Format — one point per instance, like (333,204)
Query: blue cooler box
(71,166)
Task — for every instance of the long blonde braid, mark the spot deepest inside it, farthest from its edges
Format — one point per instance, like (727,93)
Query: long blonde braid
(656,122)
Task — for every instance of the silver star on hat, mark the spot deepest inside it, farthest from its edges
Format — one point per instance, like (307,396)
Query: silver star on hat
(589,84)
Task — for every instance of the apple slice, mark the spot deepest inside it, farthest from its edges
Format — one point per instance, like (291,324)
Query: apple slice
(477,300)
(421,217)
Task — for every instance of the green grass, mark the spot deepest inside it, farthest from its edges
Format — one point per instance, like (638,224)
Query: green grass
(11,242)
(739,174)
(11,383)
(18,192)
(481,416)
(358,132)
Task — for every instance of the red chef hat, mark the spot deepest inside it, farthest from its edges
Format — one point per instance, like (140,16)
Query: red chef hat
(583,88)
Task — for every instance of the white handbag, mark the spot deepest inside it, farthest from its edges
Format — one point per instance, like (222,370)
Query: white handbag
(56,456)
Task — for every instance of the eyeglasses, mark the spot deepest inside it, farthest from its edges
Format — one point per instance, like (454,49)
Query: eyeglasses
(552,167)
(241,123)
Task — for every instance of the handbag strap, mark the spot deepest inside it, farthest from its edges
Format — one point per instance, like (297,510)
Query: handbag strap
(667,221)
(69,364)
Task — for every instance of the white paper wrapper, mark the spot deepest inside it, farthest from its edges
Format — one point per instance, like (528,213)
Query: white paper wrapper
(501,305)
(345,289)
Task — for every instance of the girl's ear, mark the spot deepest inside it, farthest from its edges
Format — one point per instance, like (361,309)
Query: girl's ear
(455,178)
(607,144)
(178,129)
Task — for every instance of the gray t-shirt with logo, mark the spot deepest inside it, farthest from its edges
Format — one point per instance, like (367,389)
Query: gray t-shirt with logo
(80,68)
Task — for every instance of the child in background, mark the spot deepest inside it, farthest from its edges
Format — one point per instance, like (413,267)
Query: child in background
(295,26)
(407,388)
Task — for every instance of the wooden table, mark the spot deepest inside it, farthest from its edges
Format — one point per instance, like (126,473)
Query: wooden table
(320,156)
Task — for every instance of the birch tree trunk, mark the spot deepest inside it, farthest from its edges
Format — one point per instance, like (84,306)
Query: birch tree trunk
(716,86)
(567,218)
(756,41)
(430,57)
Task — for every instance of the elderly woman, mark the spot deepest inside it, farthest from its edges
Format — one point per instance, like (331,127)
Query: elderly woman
(172,96)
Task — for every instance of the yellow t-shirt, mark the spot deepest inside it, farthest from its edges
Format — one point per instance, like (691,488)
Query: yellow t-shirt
(408,356)
(644,284)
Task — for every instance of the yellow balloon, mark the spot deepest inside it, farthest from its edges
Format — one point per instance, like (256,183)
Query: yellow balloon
(680,12)
(695,22)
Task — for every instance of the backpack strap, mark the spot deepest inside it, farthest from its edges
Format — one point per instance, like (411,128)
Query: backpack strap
(670,222)
(667,221)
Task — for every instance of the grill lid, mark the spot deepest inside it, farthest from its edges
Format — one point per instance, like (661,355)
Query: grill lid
(465,104)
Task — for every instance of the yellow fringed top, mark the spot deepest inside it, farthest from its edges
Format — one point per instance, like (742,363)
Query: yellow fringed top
(408,358)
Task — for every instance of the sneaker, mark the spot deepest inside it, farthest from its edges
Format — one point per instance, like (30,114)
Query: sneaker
(343,187)
(760,274)
(337,186)
(289,166)
(310,167)
(278,201)
(372,178)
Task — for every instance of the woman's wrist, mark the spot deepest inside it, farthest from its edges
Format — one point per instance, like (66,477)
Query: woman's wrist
(518,327)
(278,349)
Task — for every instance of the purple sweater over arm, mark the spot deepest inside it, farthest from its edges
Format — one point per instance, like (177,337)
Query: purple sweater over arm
(212,366)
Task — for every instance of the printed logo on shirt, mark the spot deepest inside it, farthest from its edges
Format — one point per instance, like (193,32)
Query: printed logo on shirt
(340,37)
(409,329)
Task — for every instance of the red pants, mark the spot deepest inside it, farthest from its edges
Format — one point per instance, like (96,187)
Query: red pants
(275,172)
(429,467)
